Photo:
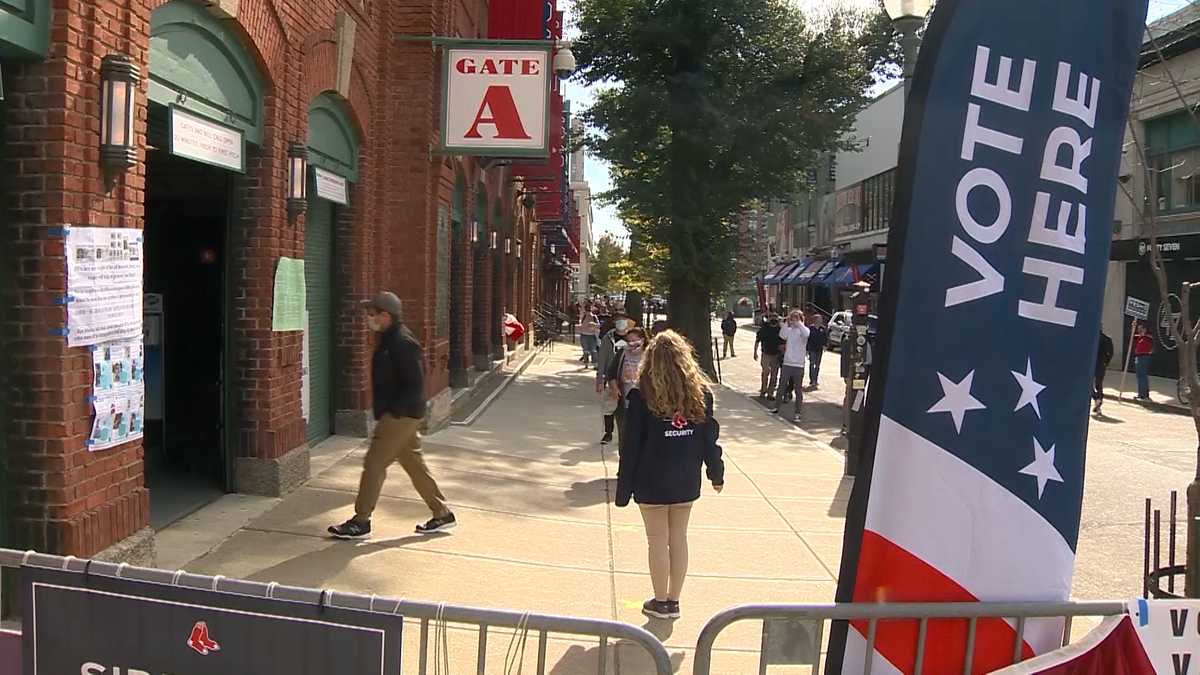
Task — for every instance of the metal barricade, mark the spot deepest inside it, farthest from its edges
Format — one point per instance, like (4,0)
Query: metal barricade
(606,632)
(818,616)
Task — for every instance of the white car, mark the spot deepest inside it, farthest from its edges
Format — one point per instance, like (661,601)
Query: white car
(838,324)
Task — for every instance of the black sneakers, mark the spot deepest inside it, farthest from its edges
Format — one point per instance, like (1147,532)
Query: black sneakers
(661,609)
(606,439)
(351,529)
(437,524)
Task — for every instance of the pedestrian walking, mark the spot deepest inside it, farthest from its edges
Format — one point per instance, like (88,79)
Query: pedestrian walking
(771,342)
(620,325)
(623,376)
(1143,350)
(1104,356)
(818,339)
(589,334)
(729,329)
(672,436)
(398,398)
(795,335)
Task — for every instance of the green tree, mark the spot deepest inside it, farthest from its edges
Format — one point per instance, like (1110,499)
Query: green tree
(710,104)
(608,252)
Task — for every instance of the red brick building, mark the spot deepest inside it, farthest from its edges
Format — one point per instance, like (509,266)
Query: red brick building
(354,82)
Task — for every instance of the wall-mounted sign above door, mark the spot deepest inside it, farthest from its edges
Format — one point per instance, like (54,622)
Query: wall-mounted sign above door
(331,186)
(203,140)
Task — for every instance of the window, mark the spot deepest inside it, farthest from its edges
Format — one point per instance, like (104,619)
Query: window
(1173,153)
(877,200)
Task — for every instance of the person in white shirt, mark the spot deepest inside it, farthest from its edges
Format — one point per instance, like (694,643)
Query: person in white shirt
(795,335)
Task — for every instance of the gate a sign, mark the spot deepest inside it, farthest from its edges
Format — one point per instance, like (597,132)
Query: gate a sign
(496,100)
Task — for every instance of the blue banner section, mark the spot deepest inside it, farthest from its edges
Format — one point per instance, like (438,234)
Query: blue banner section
(990,316)
(1005,240)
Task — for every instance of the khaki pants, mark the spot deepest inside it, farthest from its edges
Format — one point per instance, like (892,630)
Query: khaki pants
(770,373)
(666,535)
(397,439)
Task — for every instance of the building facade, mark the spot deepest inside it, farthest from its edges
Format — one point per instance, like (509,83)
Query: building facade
(583,207)
(355,85)
(1169,136)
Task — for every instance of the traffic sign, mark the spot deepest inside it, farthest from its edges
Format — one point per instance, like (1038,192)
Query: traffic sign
(1138,309)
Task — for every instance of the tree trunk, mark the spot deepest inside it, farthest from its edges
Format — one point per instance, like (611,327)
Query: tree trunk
(634,307)
(689,315)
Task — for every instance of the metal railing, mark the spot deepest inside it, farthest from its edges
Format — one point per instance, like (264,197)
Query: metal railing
(427,612)
(872,614)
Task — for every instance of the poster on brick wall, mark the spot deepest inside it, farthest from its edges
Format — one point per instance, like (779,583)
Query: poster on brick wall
(118,393)
(104,285)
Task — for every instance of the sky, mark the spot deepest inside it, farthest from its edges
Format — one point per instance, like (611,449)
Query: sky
(596,171)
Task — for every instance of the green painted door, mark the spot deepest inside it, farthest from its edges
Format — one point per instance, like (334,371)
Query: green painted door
(318,271)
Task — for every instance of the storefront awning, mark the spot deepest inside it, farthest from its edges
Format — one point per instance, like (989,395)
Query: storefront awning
(772,276)
(815,271)
(793,277)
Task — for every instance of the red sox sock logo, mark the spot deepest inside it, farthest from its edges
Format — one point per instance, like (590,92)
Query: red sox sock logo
(679,421)
(199,640)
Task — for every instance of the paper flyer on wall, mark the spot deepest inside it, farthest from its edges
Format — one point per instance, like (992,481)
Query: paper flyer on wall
(104,285)
(118,384)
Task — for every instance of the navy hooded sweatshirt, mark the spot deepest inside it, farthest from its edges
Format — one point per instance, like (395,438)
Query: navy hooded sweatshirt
(662,459)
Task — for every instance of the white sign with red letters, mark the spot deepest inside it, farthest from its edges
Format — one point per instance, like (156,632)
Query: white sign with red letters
(496,101)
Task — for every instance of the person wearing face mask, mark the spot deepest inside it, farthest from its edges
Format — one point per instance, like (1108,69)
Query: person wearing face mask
(623,375)
(398,397)
(621,324)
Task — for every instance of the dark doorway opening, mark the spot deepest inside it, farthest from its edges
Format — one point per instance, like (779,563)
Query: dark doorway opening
(187,217)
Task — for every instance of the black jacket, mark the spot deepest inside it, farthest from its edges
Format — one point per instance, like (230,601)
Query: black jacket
(768,337)
(729,327)
(1104,354)
(660,463)
(818,338)
(397,378)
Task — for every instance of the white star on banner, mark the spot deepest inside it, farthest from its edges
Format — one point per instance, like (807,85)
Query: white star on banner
(957,399)
(1029,389)
(1043,467)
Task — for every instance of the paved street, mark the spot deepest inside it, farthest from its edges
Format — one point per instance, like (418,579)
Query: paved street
(533,491)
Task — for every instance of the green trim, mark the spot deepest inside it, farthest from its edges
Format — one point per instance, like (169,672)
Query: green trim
(171,139)
(542,153)
(440,40)
(24,28)
(332,141)
(200,65)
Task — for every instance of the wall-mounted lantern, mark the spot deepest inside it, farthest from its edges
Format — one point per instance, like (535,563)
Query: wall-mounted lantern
(119,77)
(297,195)
(474,231)
(493,240)
(507,246)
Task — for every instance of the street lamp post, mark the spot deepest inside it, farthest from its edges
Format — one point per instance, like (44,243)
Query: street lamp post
(907,18)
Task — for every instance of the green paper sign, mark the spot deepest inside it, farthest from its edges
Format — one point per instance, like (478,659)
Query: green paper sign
(290,299)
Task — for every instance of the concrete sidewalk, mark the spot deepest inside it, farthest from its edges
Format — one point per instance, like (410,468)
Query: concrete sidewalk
(533,492)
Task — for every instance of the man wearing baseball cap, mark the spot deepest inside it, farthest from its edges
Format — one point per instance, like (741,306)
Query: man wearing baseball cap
(398,395)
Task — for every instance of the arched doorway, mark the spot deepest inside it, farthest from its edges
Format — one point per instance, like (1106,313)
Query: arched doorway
(459,343)
(497,254)
(333,158)
(205,117)
(481,300)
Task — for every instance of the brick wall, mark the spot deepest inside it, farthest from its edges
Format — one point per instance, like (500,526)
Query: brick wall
(67,500)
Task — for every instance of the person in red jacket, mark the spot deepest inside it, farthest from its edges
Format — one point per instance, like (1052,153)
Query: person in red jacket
(1143,349)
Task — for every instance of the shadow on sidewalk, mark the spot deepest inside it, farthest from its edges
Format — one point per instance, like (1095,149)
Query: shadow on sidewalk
(623,657)
(589,493)
(328,562)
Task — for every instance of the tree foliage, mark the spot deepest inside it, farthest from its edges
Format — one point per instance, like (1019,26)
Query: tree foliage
(608,253)
(709,104)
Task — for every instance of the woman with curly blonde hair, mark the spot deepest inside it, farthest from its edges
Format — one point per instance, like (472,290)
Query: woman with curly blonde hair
(670,435)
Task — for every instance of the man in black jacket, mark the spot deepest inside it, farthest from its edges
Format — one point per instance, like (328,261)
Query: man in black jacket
(1104,356)
(398,395)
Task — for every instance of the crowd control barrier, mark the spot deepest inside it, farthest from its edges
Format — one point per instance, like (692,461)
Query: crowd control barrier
(430,615)
(792,634)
